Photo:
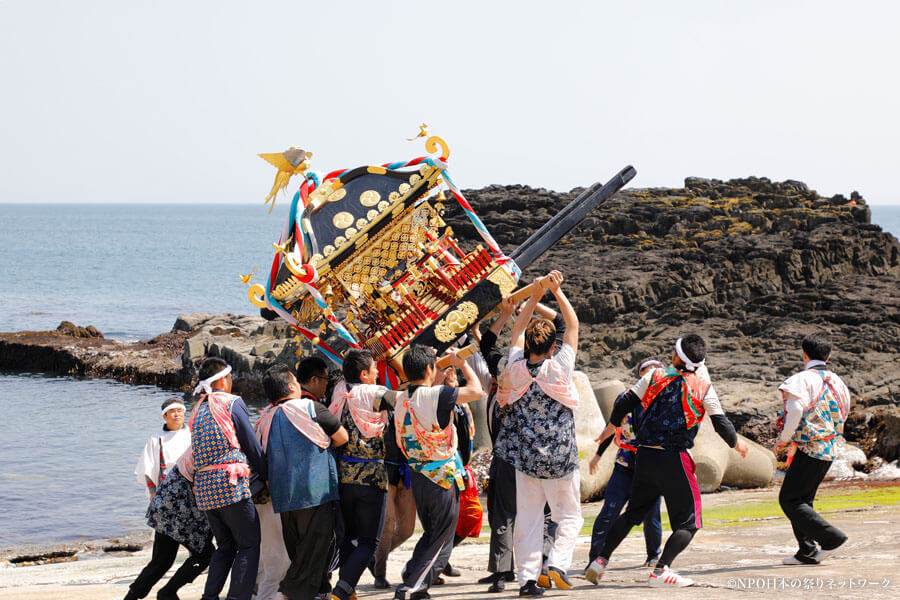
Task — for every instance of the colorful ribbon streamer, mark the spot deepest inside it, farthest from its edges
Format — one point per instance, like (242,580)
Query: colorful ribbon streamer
(310,183)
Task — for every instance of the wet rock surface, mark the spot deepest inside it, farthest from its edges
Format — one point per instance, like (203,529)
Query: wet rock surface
(148,362)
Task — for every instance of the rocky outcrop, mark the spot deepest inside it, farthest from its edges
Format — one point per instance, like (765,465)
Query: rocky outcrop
(149,362)
(73,330)
(751,264)
(171,360)
(249,344)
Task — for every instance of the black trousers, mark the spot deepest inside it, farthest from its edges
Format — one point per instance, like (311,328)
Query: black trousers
(501,501)
(308,534)
(801,481)
(162,559)
(236,529)
(363,508)
(666,473)
(438,511)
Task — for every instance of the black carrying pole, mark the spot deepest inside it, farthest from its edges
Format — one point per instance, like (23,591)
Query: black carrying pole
(487,293)
(569,217)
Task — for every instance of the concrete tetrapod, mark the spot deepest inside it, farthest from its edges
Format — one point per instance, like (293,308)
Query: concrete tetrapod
(756,470)
(589,422)
(710,454)
(606,394)
(718,465)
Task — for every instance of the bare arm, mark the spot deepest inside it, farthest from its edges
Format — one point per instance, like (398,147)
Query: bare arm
(518,332)
(570,337)
(606,433)
(544,311)
(507,307)
(472,390)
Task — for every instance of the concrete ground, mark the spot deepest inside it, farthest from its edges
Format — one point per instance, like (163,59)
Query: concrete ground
(741,560)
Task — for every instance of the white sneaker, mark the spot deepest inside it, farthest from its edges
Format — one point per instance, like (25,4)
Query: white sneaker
(594,573)
(669,578)
(823,554)
(792,560)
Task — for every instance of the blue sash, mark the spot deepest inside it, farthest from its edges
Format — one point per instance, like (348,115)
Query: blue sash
(404,470)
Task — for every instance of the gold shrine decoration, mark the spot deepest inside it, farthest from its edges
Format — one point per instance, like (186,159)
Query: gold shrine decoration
(342,220)
(257,295)
(432,144)
(337,195)
(369,198)
(456,322)
(502,280)
(292,161)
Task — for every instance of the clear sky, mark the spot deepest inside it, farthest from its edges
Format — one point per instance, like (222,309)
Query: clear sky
(123,101)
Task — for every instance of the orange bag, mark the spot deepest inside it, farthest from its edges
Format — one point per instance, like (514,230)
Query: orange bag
(470,511)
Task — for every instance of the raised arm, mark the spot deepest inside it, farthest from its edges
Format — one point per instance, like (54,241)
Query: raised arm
(544,311)
(507,308)
(488,342)
(518,332)
(472,390)
(570,337)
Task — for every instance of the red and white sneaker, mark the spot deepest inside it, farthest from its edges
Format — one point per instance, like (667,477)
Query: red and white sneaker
(668,578)
(594,572)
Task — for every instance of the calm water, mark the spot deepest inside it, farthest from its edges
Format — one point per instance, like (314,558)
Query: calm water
(69,448)
(70,445)
(67,457)
(130,270)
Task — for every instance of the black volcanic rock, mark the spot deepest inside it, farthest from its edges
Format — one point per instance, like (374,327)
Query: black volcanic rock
(751,264)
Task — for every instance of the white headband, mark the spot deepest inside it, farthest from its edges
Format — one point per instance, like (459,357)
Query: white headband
(205,384)
(650,363)
(171,406)
(691,365)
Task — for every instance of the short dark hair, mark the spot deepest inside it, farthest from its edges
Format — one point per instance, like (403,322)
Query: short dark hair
(694,347)
(276,382)
(817,346)
(210,366)
(540,334)
(170,402)
(356,361)
(310,367)
(417,360)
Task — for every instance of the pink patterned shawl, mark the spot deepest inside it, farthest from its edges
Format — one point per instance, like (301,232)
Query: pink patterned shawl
(551,378)
(299,412)
(360,400)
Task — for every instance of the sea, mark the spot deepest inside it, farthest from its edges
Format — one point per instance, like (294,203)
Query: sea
(70,444)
